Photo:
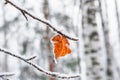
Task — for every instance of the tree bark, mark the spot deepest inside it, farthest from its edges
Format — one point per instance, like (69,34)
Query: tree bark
(118,17)
(50,58)
(107,44)
(95,69)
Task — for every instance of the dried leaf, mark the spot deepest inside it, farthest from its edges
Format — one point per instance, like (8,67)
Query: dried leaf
(61,46)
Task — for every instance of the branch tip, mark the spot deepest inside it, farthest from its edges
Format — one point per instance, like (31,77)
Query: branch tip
(23,12)
(29,59)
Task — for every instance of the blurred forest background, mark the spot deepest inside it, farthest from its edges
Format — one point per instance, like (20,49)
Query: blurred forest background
(96,23)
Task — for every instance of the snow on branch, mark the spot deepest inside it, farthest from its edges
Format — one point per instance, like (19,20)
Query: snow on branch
(52,74)
(24,12)
(5,75)
(31,58)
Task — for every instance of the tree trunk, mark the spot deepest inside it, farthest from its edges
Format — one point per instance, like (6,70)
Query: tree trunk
(95,69)
(107,44)
(5,27)
(118,17)
(50,58)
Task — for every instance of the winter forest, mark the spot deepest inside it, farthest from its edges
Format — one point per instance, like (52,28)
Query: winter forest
(59,39)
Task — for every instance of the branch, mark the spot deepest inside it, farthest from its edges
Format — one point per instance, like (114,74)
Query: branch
(4,75)
(24,12)
(31,58)
(52,74)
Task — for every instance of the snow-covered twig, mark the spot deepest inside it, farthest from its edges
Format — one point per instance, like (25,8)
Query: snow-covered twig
(31,58)
(5,75)
(24,12)
(52,74)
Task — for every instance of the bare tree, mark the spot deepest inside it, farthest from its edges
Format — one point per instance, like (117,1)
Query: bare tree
(47,37)
(95,69)
(108,47)
(117,16)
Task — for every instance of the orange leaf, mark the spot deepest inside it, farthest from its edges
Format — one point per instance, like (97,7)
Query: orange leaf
(61,46)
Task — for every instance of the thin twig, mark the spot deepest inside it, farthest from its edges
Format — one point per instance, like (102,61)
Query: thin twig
(24,15)
(5,75)
(52,74)
(38,19)
(31,58)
